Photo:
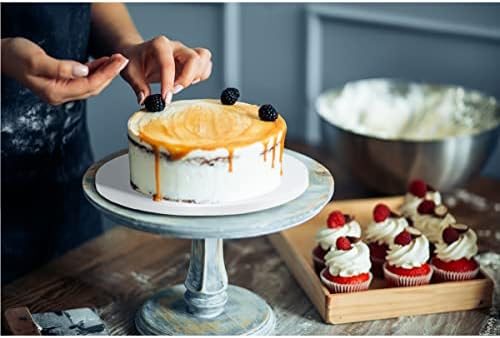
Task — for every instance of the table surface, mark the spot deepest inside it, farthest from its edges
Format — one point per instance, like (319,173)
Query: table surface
(117,271)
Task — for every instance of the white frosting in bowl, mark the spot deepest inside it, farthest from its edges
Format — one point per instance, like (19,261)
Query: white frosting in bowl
(347,263)
(327,237)
(464,247)
(409,256)
(384,232)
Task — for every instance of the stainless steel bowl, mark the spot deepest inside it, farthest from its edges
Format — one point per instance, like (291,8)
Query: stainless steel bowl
(387,165)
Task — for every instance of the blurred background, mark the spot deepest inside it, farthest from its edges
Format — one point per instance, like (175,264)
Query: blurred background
(287,54)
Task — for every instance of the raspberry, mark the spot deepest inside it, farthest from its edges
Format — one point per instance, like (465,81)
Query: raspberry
(381,212)
(336,219)
(267,113)
(154,103)
(418,188)
(450,235)
(426,207)
(404,238)
(229,96)
(343,243)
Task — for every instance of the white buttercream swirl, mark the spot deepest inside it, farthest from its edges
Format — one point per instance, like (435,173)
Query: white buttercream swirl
(347,263)
(432,227)
(411,202)
(327,237)
(464,247)
(384,232)
(411,255)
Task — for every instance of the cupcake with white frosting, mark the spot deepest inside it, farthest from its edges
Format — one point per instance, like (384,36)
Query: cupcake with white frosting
(380,233)
(406,261)
(338,225)
(432,219)
(454,259)
(418,191)
(347,266)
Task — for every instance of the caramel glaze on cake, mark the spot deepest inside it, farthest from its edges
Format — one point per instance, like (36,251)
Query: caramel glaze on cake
(207,125)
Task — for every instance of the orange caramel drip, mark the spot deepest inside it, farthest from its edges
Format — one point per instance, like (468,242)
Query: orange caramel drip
(282,150)
(265,151)
(157,195)
(274,152)
(230,159)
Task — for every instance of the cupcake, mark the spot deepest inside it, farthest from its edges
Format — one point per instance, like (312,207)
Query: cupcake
(380,234)
(406,261)
(432,219)
(454,254)
(337,225)
(418,191)
(347,266)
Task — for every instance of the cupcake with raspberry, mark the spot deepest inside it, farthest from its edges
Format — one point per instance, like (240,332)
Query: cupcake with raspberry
(380,233)
(406,261)
(454,254)
(338,225)
(432,219)
(418,191)
(347,266)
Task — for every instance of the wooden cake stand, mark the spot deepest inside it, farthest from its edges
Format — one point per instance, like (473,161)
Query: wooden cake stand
(205,304)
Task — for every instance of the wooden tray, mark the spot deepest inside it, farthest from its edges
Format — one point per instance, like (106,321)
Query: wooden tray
(379,302)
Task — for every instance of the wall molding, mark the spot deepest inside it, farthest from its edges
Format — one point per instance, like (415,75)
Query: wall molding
(317,14)
(232,45)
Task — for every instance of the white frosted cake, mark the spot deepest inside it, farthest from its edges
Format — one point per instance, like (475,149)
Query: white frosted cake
(202,151)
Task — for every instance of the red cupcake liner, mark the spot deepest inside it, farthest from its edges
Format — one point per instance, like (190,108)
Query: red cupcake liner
(441,275)
(396,280)
(345,288)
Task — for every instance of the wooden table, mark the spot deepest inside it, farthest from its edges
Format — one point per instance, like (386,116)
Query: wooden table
(117,271)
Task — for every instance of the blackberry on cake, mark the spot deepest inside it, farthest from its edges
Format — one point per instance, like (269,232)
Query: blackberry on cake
(268,113)
(154,103)
(230,96)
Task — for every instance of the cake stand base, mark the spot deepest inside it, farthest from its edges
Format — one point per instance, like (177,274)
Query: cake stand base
(166,313)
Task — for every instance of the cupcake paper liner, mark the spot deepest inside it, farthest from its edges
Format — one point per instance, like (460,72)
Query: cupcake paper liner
(345,288)
(393,279)
(441,275)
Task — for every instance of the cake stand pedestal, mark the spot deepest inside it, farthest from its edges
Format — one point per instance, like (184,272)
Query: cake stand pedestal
(205,304)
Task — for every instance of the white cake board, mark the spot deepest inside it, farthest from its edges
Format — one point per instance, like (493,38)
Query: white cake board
(113,183)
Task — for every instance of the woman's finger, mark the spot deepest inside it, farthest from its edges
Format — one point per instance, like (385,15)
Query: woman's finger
(94,64)
(190,67)
(135,77)
(205,63)
(52,68)
(163,54)
(207,72)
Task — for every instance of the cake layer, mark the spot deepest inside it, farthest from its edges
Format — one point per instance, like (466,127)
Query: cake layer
(204,152)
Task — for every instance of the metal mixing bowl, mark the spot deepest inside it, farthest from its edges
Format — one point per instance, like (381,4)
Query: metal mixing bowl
(387,164)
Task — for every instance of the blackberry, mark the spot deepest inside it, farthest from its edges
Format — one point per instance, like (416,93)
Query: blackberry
(267,113)
(229,96)
(154,103)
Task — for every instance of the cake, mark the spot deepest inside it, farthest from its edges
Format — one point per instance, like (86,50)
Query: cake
(380,233)
(204,151)
(406,261)
(418,191)
(454,259)
(338,225)
(347,266)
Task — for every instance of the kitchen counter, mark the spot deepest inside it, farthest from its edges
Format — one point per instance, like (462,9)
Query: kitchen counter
(117,271)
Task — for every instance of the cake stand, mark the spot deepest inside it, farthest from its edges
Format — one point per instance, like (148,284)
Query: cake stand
(205,304)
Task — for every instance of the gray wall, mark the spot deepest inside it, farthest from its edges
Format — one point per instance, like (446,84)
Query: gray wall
(265,54)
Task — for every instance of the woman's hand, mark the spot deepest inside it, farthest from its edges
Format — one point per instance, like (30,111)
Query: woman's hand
(57,81)
(171,63)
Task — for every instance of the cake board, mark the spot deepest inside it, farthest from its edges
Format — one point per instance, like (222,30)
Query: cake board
(206,304)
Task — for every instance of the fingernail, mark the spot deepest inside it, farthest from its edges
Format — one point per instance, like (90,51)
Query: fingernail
(178,88)
(80,71)
(195,81)
(168,98)
(140,97)
(125,63)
